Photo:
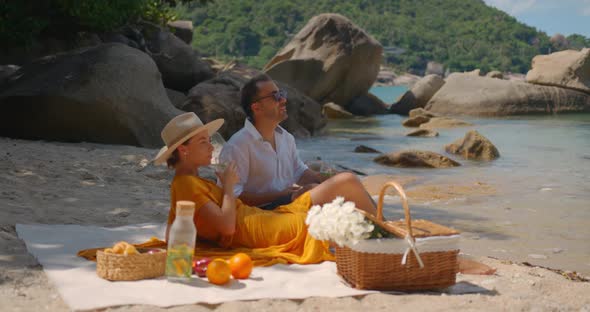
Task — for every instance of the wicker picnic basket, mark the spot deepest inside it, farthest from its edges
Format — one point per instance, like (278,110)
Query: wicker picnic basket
(118,267)
(426,257)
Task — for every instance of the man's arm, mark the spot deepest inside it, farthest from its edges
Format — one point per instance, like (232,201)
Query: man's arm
(310,177)
(254,199)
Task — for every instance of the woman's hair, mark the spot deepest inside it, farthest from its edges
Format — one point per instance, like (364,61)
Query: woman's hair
(249,92)
(175,157)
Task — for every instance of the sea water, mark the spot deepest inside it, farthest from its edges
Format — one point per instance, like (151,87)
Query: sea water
(540,209)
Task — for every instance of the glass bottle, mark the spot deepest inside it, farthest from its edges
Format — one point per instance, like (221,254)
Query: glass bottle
(181,242)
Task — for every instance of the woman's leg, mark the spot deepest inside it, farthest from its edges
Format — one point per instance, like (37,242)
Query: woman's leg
(346,185)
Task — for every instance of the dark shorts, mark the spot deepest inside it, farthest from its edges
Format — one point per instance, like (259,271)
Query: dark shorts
(284,200)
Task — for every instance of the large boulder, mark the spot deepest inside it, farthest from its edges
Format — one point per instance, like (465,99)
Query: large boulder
(434,68)
(483,96)
(366,105)
(426,133)
(406,79)
(20,54)
(416,159)
(335,111)
(330,60)
(220,98)
(567,69)
(418,96)
(183,30)
(180,65)
(443,122)
(177,98)
(421,112)
(495,74)
(107,94)
(474,146)
(385,77)
(413,122)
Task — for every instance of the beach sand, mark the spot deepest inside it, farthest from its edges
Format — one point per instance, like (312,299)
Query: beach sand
(106,185)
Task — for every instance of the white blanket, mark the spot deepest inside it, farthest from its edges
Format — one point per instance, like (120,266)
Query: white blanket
(55,247)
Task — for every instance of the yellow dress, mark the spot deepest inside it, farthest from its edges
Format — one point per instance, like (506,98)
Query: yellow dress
(278,236)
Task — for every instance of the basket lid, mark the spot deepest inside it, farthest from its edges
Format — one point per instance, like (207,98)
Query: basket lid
(403,228)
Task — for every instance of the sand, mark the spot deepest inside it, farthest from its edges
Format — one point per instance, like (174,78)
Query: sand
(106,185)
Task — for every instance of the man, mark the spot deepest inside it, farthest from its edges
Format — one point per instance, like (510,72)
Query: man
(271,172)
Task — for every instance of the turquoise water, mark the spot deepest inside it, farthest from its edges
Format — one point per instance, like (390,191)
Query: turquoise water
(389,95)
(540,211)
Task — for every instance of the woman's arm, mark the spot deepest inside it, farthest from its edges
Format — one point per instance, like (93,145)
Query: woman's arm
(223,218)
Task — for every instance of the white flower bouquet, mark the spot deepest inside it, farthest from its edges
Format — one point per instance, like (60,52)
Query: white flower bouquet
(339,222)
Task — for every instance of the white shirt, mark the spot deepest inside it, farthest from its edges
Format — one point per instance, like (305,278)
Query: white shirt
(260,167)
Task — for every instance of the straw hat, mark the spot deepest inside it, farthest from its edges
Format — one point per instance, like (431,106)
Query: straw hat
(180,129)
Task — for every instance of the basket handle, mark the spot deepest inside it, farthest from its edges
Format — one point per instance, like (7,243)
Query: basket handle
(404,198)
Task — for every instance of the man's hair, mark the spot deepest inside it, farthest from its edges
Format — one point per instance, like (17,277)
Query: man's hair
(249,92)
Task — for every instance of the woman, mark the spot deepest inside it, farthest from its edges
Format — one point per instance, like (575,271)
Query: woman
(221,218)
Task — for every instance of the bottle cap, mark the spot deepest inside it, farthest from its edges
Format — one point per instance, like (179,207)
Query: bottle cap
(185,208)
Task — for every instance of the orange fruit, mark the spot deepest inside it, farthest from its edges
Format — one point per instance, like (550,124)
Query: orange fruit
(218,272)
(241,266)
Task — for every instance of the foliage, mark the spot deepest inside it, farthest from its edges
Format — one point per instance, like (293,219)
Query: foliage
(461,34)
(578,41)
(25,20)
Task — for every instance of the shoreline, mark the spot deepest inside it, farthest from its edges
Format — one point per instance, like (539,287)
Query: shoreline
(110,185)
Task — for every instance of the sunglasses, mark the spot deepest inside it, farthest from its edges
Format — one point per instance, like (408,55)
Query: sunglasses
(277,95)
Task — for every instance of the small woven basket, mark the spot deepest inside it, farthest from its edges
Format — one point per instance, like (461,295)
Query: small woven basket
(380,264)
(118,267)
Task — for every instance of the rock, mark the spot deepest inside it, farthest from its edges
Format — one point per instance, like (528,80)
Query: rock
(537,256)
(515,76)
(220,98)
(559,41)
(367,105)
(180,65)
(423,133)
(330,60)
(108,94)
(404,104)
(44,45)
(115,38)
(418,96)
(474,146)
(406,79)
(183,30)
(495,74)
(177,98)
(421,112)
(416,159)
(475,72)
(365,149)
(385,77)
(567,69)
(136,38)
(6,71)
(434,68)
(335,111)
(482,96)
(415,121)
(444,122)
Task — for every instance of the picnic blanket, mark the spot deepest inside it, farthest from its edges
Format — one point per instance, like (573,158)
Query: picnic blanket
(56,248)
